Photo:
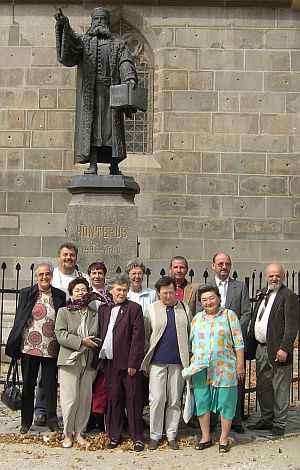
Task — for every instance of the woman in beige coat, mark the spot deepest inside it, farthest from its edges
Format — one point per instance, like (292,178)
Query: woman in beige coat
(167,324)
(76,327)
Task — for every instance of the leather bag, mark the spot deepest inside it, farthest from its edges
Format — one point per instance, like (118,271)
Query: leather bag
(11,395)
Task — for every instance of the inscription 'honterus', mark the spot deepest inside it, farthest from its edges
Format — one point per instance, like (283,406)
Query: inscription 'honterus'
(102,231)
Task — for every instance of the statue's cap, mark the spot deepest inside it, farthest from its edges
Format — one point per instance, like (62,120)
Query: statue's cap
(100,12)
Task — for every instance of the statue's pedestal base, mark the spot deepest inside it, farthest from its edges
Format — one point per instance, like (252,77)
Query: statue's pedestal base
(102,220)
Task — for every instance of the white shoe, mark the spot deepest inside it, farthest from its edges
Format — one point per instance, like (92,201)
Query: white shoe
(67,443)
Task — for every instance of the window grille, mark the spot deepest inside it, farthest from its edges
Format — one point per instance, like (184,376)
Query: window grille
(138,130)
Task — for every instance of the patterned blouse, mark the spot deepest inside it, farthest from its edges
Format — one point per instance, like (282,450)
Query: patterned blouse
(38,338)
(213,346)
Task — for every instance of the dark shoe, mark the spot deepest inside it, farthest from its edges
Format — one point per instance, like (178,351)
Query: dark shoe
(203,445)
(92,170)
(173,444)
(153,444)
(24,430)
(54,428)
(40,420)
(260,426)
(91,424)
(239,428)
(100,424)
(113,444)
(276,431)
(224,448)
(82,159)
(114,170)
(138,446)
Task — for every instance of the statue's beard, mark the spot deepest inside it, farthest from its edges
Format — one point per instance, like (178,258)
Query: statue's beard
(99,30)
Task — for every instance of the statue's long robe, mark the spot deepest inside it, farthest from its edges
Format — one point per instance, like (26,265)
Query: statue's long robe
(101,62)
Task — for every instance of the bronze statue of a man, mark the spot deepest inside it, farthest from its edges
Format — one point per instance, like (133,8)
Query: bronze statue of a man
(103,60)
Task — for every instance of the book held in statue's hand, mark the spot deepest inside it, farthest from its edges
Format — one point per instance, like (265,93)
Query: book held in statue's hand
(125,96)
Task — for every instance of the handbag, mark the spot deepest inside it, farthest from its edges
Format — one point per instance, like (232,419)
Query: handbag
(189,405)
(11,395)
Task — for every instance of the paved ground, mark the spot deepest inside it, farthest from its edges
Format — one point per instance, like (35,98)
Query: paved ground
(251,450)
(41,450)
(10,424)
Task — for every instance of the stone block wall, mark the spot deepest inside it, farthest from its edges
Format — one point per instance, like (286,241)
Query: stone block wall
(224,171)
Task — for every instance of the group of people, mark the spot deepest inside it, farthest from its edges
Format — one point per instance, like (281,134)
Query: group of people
(119,345)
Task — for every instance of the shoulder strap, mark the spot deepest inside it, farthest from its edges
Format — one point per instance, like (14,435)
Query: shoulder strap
(195,284)
(183,306)
(13,372)
(229,324)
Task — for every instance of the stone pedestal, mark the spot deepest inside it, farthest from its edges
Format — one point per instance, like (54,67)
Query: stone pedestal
(102,219)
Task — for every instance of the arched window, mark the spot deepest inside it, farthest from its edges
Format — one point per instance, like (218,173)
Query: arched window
(138,131)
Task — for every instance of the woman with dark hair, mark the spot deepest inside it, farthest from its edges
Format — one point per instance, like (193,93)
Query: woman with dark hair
(97,272)
(76,327)
(216,365)
(167,324)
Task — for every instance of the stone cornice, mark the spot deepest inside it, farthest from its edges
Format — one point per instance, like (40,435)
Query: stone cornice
(214,3)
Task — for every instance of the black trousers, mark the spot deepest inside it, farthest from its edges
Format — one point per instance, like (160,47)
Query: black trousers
(30,368)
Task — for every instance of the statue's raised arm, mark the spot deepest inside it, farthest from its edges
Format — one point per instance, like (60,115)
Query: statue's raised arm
(68,42)
(61,19)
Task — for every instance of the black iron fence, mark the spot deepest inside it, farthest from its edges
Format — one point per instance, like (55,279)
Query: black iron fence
(254,282)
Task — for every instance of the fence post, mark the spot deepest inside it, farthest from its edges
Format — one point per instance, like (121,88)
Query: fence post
(205,276)
(3,267)
(148,273)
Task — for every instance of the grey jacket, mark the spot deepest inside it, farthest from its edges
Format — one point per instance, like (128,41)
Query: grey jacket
(66,326)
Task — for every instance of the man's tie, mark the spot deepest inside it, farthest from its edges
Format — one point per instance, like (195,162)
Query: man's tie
(222,291)
(265,302)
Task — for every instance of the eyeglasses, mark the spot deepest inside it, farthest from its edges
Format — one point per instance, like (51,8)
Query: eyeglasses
(170,293)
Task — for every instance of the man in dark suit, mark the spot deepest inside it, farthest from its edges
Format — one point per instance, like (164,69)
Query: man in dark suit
(32,339)
(272,333)
(235,296)
(123,334)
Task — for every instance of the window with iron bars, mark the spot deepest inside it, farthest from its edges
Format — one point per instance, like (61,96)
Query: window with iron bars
(138,130)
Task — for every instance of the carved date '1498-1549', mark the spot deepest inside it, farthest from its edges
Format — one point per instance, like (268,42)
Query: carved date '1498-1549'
(99,250)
